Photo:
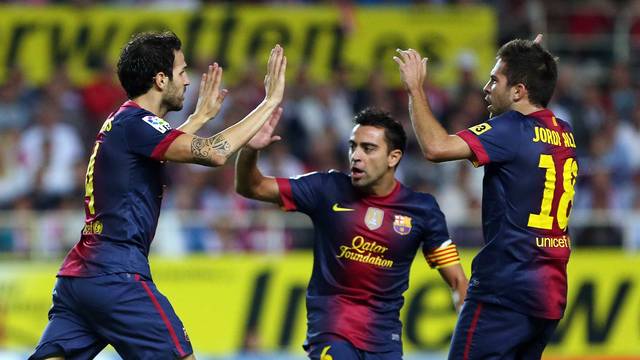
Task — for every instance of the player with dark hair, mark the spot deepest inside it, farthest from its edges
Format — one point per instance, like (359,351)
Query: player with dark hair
(518,287)
(368,229)
(104,293)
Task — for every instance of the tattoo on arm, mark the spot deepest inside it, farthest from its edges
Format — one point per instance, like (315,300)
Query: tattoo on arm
(202,149)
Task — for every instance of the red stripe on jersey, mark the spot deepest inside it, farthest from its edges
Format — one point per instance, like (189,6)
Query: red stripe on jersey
(156,304)
(131,103)
(475,145)
(545,116)
(161,148)
(124,106)
(472,329)
(286,195)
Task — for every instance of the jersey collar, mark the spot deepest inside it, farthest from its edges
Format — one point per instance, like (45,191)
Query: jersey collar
(394,192)
(546,117)
(130,103)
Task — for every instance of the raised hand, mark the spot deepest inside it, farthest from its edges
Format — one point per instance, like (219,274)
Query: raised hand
(210,97)
(538,39)
(264,137)
(413,69)
(275,79)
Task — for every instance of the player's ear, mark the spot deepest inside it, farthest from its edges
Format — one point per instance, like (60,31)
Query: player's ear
(518,92)
(394,157)
(160,80)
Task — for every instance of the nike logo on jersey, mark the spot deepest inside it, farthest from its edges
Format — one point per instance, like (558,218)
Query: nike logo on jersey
(337,208)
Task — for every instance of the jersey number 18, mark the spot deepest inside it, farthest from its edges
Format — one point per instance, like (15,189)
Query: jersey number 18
(544,220)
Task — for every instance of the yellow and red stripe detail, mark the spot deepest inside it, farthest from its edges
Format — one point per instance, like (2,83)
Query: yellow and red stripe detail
(444,256)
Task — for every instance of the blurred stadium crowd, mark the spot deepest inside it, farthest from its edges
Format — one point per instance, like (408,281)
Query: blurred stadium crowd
(47,133)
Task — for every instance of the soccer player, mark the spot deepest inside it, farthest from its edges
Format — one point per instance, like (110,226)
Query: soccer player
(518,285)
(104,293)
(368,228)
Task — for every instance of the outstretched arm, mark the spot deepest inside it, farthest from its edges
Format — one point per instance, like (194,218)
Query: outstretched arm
(457,281)
(249,180)
(436,144)
(217,149)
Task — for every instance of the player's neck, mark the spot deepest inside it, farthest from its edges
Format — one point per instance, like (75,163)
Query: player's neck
(382,187)
(525,107)
(151,102)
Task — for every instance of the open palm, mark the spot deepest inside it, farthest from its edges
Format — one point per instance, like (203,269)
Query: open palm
(264,137)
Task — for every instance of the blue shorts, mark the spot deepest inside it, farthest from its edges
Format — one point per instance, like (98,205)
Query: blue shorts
(337,348)
(124,310)
(489,331)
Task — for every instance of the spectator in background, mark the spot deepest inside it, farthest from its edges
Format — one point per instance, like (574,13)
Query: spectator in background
(594,111)
(14,106)
(101,95)
(280,161)
(622,94)
(325,109)
(565,101)
(68,97)
(13,174)
(374,93)
(628,138)
(51,149)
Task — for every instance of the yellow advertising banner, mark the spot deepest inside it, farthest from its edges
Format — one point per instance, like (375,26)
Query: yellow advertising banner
(43,40)
(231,300)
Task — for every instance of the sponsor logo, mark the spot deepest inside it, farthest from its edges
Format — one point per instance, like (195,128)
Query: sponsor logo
(373,218)
(337,208)
(402,224)
(368,252)
(480,128)
(157,123)
(186,336)
(553,242)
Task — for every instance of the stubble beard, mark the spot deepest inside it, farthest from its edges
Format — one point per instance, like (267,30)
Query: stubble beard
(173,100)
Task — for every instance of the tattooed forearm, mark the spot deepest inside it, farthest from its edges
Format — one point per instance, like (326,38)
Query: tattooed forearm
(203,149)
(220,145)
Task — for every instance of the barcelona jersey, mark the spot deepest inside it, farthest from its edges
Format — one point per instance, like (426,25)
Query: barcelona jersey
(528,188)
(124,186)
(363,250)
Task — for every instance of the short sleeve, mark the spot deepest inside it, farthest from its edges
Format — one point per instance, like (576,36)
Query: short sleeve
(497,140)
(149,135)
(301,193)
(435,225)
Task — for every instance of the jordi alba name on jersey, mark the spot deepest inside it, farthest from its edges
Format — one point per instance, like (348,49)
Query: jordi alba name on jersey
(363,250)
(124,185)
(528,188)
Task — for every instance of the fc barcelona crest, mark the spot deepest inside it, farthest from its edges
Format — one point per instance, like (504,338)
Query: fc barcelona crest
(402,224)
(373,218)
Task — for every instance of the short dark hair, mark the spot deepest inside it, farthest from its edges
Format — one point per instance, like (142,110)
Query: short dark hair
(394,133)
(145,55)
(528,63)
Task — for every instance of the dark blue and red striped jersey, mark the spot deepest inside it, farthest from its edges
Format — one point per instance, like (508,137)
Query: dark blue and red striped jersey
(363,250)
(528,188)
(124,186)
